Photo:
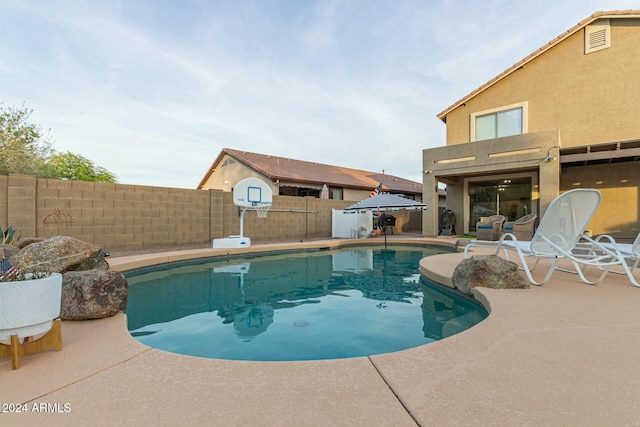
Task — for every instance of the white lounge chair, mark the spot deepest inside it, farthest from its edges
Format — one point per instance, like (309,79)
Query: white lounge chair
(560,230)
(628,254)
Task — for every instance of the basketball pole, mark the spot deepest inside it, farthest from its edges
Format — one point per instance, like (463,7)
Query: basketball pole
(242,221)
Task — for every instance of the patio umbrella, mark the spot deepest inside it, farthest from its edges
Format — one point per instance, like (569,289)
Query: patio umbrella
(325,192)
(386,202)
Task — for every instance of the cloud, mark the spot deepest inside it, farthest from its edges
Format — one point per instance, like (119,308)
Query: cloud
(152,90)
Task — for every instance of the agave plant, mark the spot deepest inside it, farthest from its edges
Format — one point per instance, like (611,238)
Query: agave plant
(8,236)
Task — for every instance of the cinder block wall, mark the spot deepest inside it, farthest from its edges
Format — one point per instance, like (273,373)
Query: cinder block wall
(116,216)
(4,206)
(121,217)
(289,219)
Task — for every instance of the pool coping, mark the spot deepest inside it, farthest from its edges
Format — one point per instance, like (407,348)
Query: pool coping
(151,259)
(561,354)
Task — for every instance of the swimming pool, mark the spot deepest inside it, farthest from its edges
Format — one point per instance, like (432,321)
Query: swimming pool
(304,306)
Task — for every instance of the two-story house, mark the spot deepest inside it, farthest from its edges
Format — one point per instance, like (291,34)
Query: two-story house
(566,116)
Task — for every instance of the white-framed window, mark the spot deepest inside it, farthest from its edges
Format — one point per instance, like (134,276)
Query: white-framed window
(498,122)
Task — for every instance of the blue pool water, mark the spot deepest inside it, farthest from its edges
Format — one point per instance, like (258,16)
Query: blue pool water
(304,306)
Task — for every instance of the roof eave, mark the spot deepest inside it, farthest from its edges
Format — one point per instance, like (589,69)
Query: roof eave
(340,184)
(211,169)
(598,15)
(276,175)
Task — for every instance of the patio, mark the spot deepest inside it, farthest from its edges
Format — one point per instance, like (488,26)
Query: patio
(565,353)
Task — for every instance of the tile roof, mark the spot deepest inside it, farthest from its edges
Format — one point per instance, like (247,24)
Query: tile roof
(631,13)
(300,171)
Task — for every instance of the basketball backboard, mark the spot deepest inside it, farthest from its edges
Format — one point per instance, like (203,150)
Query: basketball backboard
(251,192)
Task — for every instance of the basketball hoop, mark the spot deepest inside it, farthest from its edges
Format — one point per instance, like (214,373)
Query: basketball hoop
(248,194)
(262,209)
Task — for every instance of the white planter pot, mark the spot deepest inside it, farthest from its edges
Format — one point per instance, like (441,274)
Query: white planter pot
(28,307)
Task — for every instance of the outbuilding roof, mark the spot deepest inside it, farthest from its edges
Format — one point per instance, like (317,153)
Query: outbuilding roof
(300,171)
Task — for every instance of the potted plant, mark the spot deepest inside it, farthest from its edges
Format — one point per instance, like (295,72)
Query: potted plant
(29,306)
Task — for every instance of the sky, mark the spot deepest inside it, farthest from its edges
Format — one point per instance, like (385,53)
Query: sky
(152,90)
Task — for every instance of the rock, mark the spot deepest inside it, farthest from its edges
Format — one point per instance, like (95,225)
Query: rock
(23,243)
(93,294)
(89,289)
(489,272)
(7,251)
(57,255)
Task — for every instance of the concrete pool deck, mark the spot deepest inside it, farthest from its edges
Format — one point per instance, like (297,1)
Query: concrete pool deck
(565,353)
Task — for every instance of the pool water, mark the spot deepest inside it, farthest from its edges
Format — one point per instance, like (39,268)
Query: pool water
(304,306)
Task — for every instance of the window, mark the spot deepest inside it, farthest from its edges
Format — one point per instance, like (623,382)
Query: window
(335,193)
(507,121)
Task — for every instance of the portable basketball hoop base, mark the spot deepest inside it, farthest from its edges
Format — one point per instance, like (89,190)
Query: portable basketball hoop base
(250,193)
(232,242)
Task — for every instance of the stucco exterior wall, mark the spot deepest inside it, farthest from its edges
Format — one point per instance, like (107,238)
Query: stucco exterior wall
(619,211)
(584,99)
(591,98)
(355,195)
(225,177)
(453,165)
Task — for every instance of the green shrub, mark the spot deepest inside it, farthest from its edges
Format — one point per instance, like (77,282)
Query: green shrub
(9,236)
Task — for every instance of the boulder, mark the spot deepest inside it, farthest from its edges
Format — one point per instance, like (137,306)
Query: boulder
(23,243)
(7,251)
(93,294)
(59,254)
(489,272)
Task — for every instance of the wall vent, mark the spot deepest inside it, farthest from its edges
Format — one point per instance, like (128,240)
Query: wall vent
(597,36)
(228,161)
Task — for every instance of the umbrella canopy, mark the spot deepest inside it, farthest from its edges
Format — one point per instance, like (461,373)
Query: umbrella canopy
(386,202)
(324,194)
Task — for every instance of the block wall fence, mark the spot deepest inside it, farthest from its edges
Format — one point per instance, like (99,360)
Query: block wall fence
(120,217)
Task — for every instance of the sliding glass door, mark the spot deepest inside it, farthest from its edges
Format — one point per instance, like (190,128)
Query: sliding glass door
(508,197)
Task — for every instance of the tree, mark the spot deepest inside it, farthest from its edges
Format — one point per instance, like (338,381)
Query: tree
(25,149)
(76,167)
